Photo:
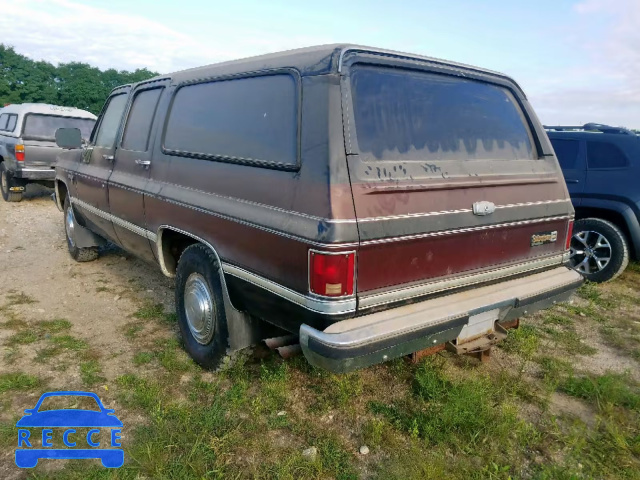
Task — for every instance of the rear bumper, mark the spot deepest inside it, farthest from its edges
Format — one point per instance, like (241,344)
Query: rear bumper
(35,174)
(363,341)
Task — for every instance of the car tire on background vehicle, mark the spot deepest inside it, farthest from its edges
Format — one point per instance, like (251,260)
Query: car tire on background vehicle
(200,306)
(6,182)
(79,254)
(599,250)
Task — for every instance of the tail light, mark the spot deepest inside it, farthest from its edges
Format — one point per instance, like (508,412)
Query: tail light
(331,274)
(19,153)
(569,235)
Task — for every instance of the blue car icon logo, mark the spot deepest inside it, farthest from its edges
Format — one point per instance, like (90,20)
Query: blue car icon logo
(31,447)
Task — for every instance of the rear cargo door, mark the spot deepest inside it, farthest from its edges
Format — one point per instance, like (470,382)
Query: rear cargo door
(449,186)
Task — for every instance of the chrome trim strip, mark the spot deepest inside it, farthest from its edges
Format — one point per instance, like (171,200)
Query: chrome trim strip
(39,170)
(463,230)
(327,307)
(407,293)
(462,210)
(116,220)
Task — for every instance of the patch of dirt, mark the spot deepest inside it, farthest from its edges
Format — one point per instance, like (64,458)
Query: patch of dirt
(35,260)
(560,404)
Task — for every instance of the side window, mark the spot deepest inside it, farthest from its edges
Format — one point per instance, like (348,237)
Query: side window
(138,126)
(246,120)
(11,125)
(4,119)
(566,151)
(108,128)
(605,155)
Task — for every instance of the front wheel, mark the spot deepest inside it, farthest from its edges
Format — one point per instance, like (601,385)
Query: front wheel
(79,254)
(200,306)
(599,250)
(6,183)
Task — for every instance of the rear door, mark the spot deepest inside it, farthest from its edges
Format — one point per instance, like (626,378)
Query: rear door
(130,175)
(450,185)
(571,154)
(94,172)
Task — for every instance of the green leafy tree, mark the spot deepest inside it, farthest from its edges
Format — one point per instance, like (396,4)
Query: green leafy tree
(71,84)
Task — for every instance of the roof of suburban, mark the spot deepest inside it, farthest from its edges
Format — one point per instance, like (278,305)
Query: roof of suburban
(45,108)
(316,60)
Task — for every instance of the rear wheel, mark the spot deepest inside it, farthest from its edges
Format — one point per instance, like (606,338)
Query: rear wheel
(200,306)
(79,254)
(599,250)
(6,183)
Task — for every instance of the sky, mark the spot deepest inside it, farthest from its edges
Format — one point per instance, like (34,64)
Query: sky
(577,60)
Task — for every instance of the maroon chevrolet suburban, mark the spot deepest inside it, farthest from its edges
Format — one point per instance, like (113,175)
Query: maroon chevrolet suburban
(374,203)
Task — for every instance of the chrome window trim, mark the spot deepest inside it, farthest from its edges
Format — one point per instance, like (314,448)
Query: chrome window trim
(407,293)
(318,305)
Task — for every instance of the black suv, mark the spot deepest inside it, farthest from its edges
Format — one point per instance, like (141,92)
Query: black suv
(601,165)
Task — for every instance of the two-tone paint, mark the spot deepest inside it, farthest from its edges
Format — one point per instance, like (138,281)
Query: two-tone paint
(412,226)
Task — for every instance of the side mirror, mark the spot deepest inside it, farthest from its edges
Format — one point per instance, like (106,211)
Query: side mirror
(69,138)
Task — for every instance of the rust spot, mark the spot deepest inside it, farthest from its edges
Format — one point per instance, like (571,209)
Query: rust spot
(415,357)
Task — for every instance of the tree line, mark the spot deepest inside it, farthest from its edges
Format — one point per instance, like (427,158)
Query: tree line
(74,84)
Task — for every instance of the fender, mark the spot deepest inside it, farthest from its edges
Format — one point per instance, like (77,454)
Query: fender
(244,330)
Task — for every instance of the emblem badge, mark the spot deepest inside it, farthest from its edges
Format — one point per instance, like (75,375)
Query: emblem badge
(483,208)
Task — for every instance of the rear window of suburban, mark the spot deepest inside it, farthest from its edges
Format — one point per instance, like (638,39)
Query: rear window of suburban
(247,120)
(43,127)
(411,115)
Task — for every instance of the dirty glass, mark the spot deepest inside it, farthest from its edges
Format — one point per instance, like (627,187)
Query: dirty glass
(138,126)
(110,121)
(245,119)
(411,115)
(43,127)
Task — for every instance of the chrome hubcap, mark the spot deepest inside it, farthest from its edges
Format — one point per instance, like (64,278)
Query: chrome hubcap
(590,252)
(199,308)
(70,225)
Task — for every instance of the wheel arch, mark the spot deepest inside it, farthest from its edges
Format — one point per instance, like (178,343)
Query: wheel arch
(621,215)
(61,193)
(172,241)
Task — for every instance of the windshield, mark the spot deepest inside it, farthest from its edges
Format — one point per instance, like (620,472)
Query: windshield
(43,127)
(412,115)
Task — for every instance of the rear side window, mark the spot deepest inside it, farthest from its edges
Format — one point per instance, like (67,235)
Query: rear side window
(251,119)
(566,151)
(11,124)
(605,155)
(410,115)
(138,126)
(108,129)
(43,127)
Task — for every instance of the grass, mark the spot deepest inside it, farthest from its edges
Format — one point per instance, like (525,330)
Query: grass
(18,381)
(90,372)
(24,337)
(609,389)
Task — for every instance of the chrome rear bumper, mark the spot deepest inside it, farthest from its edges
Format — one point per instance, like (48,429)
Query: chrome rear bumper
(370,339)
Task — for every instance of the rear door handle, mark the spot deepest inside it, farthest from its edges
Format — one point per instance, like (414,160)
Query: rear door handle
(144,163)
(108,158)
(572,180)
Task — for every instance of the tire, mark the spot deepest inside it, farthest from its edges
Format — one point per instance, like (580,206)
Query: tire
(204,330)
(79,254)
(593,242)
(6,182)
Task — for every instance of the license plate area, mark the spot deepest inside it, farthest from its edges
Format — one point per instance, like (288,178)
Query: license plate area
(479,325)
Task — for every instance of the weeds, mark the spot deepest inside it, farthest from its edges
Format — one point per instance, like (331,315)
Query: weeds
(18,381)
